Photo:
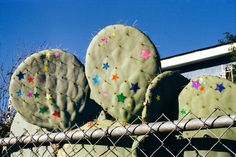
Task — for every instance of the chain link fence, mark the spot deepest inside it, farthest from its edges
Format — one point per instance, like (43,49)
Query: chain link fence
(211,136)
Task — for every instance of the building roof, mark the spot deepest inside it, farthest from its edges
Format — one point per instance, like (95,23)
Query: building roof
(196,56)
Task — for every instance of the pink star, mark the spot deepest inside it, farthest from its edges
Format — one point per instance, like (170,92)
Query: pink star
(105,94)
(57,54)
(104,39)
(145,54)
(30,95)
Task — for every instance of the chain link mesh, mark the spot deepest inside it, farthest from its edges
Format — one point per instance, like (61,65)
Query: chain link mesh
(211,136)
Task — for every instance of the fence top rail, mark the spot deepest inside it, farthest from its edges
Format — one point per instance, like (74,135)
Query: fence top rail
(134,129)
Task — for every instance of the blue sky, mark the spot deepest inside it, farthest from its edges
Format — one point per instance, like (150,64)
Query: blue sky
(175,26)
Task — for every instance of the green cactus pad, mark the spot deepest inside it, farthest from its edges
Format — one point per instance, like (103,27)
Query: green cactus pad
(102,148)
(49,89)
(206,93)
(20,127)
(208,96)
(162,96)
(120,63)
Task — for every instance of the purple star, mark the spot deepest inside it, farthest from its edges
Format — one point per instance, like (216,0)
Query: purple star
(30,95)
(220,87)
(196,84)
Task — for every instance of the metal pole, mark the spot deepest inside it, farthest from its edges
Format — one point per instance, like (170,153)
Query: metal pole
(136,129)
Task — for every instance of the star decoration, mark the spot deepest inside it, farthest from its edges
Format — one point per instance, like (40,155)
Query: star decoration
(145,54)
(220,87)
(121,97)
(91,123)
(57,54)
(56,114)
(48,96)
(201,88)
(45,68)
(19,92)
(196,84)
(129,105)
(105,66)
(201,79)
(113,34)
(158,97)
(43,56)
(42,79)
(114,77)
(43,109)
(134,87)
(96,79)
(183,111)
(36,95)
(48,55)
(104,39)
(30,95)
(105,94)
(30,79)
(20,75)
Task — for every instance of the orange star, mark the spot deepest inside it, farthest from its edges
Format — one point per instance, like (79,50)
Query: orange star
(114,77)
(30,79)
(201,88)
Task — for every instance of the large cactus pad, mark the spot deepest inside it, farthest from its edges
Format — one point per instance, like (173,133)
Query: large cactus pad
(49,89)
(162,96)
(206,93)
(120,63)
(203,97)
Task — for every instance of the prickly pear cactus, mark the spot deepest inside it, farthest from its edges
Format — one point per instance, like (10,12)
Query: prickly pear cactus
(49,89)
(20,127)
(162,96)
(120,63)
(200,98)
(102,148)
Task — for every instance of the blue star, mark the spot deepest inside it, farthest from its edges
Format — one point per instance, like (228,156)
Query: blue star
(19,92)
(105,66)
(20,75)
(96,79)
(220,87)
(134,87)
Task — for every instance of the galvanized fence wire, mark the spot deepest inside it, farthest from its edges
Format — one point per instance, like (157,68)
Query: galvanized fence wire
(210,136)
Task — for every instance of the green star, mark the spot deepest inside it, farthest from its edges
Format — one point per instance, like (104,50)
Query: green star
(36,95)
(183,111)
(121,97)
(43,109)
(43,56)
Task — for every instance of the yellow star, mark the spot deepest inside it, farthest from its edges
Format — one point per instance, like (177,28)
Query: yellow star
(158,97)
(129,105)
(48,96)
(113,34)
(48,55)
(45,68)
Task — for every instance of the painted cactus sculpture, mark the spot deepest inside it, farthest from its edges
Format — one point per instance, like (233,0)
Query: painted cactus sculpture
(162,96)
(120,63)
(49,89)
(209,96)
